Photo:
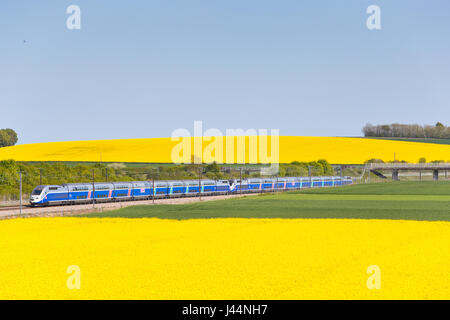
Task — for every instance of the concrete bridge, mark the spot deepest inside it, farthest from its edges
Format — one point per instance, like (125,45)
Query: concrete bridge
(396,167)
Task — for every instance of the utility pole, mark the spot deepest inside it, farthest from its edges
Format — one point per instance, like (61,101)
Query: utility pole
(240,180)
(20,196)
(310,177)
(153,185)
(106,174)
(93,188)
(40,177)
(200,183)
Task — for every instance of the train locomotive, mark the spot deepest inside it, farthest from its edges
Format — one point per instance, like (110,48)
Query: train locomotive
(78,193)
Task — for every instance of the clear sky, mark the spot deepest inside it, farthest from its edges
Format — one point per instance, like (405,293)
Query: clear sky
(140,69)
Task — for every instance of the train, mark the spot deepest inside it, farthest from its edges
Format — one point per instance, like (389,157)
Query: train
(78,193)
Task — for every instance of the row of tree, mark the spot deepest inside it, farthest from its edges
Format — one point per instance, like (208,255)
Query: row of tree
(438,131)
(8,137)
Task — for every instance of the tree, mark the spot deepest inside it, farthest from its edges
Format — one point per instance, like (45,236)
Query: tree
(326,167)
(438,131)
(213,167)
(8,137)
(369,130)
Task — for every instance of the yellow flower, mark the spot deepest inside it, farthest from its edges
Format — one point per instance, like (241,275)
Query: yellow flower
(223,258)
(159,150)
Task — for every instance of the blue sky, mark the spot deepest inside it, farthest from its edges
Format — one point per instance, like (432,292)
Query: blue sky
(142,69)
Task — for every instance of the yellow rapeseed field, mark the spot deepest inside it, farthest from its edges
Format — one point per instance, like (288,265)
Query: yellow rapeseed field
(223,258)
(159,150)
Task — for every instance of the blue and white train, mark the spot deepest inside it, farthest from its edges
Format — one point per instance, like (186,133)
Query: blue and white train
(73,193)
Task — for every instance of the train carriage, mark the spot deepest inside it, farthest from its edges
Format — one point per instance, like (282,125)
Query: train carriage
(281,183)
(141,189)
(192,187)
(102,192)
(268,184)
(177,188)
(254,185)
(292,183)
(241,186)
(223,187)
(57,194)
(161,189)
(122,190)
(305,182)
(208,186)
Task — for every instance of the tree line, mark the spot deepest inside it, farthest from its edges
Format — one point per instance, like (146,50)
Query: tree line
(438,131)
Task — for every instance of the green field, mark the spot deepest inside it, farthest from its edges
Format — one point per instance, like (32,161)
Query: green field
(397,200)
(426,188)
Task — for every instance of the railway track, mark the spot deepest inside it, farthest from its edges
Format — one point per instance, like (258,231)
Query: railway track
(26,206)
(7,208)
(206,195)
(71,210)
(124,201)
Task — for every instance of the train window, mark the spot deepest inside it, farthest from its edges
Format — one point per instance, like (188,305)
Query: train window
(80,188)
(101,196)
(53,188)
(177,184)
(36,192)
